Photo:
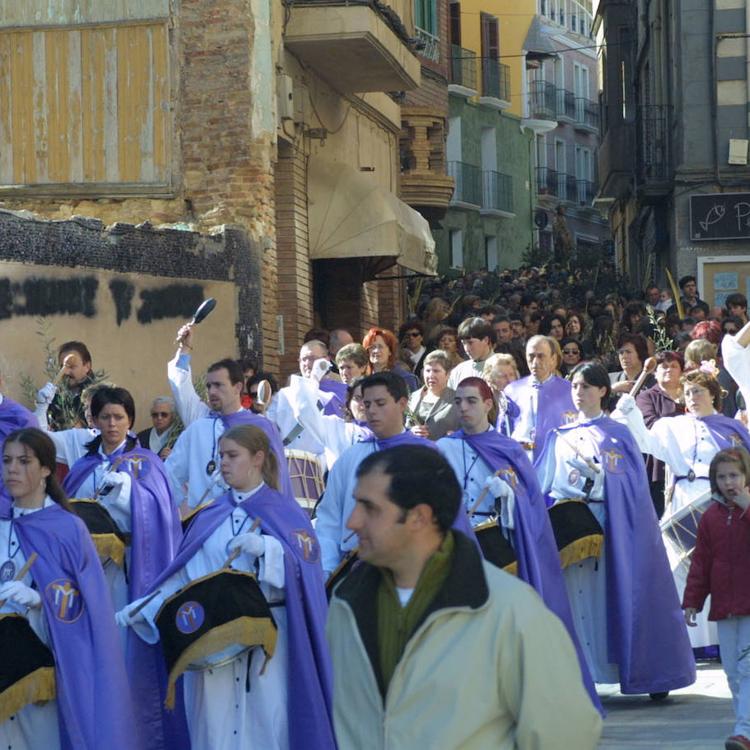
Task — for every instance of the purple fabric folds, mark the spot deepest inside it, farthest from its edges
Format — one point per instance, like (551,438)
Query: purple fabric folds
(533,538)
(92,689)
(309,678)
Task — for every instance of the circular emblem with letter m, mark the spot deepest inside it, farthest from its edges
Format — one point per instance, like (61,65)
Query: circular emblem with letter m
(306,544)
(64,599)
(190,616)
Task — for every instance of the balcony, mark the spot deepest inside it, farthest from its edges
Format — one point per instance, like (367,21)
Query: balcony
(654,155)
(463,72)
(429,43)
(586,115)
(616,165)
(468,179)
(586,190)
(495,84)
(424,182)
(566,105)
(542,107)
(358,47)
(497,194)
(553,184)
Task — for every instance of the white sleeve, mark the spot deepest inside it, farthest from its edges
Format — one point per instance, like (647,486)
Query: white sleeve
(146,628)
(117,500)
(736,360)
(649,441)
(178,469)
(189,405)
(328,523)
(271,563)
(303,395)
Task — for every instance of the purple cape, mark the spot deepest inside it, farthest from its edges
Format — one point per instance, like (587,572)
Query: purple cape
(309,674)
(646,633)
(554,405)
(256,420)
(93,701)
(13,417)
(337,404)
(156,534)
(533,538)
(727,432)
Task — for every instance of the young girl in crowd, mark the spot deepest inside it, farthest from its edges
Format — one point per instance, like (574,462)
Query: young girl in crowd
(719,567)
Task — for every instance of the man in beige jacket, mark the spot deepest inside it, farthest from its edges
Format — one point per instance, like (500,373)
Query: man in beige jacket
(433,647)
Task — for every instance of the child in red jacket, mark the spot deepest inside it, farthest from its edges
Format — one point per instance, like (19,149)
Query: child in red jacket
(720,567)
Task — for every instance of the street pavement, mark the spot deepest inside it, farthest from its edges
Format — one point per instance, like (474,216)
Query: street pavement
(696,718)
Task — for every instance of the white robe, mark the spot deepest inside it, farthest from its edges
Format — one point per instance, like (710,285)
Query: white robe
(684,444)
(585,581)
(222,714)
(36,725)
(471,472)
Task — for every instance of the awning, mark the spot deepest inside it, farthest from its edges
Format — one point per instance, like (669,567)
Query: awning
(350,216)
(538,44)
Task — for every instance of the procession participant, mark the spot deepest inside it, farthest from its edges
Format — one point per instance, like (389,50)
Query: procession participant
(735,354)
(597,461)
(499,370)
(431,412)
(687,443)
(478,340)
(543,399)
(421,607)
(334,433)
(13,417)
(718,567)
(487,463)
(66,409)
(68,703)
(132,485)
(385,398)
(194,461)
(71,443)
(243,704)
(158,437)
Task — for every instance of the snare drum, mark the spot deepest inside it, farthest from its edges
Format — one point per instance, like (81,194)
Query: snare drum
(211,622)
(306,476)
(27,667)
(495,547)
(578,534)
(680,529)
(109,540)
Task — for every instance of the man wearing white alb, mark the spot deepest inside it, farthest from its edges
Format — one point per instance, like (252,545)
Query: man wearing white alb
(193,465)
(736,357)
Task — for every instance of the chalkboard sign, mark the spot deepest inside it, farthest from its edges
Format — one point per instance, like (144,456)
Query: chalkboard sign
(720,216)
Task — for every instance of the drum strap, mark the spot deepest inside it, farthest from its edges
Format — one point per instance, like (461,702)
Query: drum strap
(295,432)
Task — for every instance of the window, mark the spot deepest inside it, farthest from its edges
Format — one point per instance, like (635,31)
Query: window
(455,24)
(425,16)
(490,37)
(490,253)
(489,149)
(456,240)
(560,165)
(453,141)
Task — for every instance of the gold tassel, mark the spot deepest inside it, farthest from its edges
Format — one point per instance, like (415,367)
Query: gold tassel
(580,549)
(36,687)
(245,631)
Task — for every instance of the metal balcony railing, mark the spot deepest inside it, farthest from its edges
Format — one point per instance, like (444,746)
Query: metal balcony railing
(557,184)
(430,44)
(654,151)
(463,67)
(542,101)
(586,192)
(587,113)
(495,79)
(566,104)
(497,191)
(468,179)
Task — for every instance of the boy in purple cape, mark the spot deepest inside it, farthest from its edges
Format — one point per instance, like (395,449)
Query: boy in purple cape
(491,465)
(64,597)
(131,483)
(238,705)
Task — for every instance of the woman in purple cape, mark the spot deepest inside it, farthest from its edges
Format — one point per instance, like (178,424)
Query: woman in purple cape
(64,599)
(239,705)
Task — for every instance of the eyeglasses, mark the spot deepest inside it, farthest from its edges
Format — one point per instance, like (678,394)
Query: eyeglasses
(571,351)
(412,334)
(155,414)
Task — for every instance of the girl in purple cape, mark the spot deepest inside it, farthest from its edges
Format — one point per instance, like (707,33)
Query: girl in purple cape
(65,600)
(239,705)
